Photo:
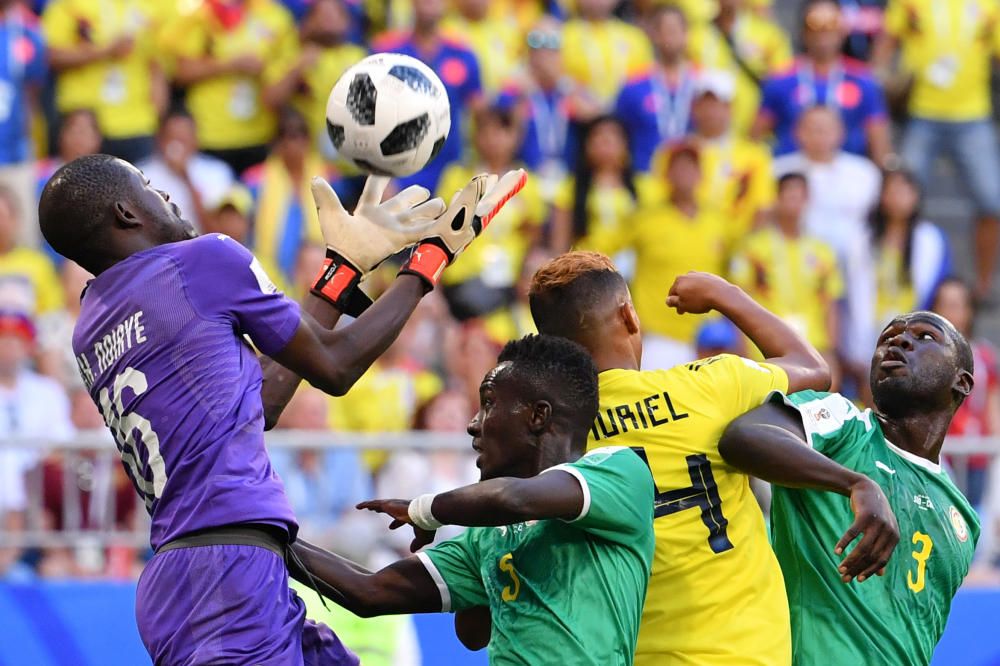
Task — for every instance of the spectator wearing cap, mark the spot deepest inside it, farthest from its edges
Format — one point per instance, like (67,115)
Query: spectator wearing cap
(600,52)
(747,45)
(678,235)
(459,70)
(307,68)
(794,275)
(655,106)
(24,72)
(31,406)
(194,179)
(492,34)
(285,210)
(28,280)
(947,49)
(843,187)
(106,58)
(221,50)
(736,171)
(823,77)
(718,336)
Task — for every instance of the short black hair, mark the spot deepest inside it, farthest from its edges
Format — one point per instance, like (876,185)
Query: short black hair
(565,290)
(78,201)
(559,371)
(790,177)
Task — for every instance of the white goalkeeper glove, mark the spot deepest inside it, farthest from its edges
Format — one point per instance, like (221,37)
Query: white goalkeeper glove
(356,244)
(469,213)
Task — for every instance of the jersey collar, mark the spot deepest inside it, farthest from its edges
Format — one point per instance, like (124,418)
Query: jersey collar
(915,459)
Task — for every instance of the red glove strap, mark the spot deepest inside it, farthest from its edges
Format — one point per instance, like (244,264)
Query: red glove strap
(335,282)
(427,260)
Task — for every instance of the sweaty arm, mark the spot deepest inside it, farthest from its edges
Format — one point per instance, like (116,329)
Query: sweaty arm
(770,443)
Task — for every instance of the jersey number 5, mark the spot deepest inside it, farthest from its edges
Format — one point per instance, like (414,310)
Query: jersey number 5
(916,583)
(510,592)
(703,493)
(126,428)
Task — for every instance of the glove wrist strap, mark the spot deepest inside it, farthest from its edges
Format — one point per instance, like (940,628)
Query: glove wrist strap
(427,261)
(337,284)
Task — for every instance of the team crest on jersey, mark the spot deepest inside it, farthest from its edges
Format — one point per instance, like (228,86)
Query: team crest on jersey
(958,523)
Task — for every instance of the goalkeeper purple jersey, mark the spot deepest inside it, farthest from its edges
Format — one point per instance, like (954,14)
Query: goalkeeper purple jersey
(162,347)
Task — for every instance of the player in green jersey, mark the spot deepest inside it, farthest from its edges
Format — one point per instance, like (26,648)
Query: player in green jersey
(921,372)
(561,543)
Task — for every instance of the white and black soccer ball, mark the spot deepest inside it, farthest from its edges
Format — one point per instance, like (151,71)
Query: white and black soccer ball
(389,114)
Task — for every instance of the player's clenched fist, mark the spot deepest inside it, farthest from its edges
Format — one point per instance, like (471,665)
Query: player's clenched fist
(468,214)
(696,292)
(356,244)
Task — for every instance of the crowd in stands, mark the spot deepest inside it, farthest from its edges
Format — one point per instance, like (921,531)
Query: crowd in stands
(788,153)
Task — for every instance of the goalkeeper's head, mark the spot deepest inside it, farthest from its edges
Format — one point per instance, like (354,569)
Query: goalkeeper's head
(582,297)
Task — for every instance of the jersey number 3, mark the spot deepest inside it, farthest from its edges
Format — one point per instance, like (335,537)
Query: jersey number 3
(925,546)
(703,493)
(126,428)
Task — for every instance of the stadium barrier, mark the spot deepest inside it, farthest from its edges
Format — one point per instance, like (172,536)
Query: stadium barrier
(86,623)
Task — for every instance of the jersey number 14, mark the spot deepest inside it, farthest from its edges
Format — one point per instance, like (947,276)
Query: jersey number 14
(703,494)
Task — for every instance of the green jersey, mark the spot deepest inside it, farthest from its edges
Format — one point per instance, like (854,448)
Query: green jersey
(894,619)
(561,592)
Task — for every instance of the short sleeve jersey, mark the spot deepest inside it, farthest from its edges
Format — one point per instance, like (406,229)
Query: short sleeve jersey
(716,596)
(568,588)
(161,348)
(894,619)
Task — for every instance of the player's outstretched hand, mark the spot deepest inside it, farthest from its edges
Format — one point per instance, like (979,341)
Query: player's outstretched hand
(873,517)
(399,511)
(471,210)
(696,292)
(356,244)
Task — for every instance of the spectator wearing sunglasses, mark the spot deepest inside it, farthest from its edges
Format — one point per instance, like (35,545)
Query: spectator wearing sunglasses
(824,77)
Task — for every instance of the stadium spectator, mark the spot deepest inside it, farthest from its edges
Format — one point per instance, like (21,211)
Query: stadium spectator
(822,76)
(718,336)
(482,281)
(546,98)
(31,406)
(947,47)
(492,34)
(194,180)
(221,49)
(28,280)
(55,357)
(863,22)
(306,70)
(603,193)
(792,274)
(979,415)
(656,106)
(285,212)
(514,321)
(843,188)
(747,45)
(106,57)
(737,177)
(458,68)
(600,52)
(79,135)
(24,73)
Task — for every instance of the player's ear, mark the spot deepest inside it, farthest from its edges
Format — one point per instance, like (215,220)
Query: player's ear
(124,217)
(629,317)
(963,383)
(541,414)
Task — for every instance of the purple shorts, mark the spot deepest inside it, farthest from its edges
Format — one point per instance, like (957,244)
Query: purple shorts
(229,605)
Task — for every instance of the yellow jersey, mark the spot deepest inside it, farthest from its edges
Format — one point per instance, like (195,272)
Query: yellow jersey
(310,98)
(795,278)
(496,40)
(716,595)
(29,281)
(497,257)
(119,90)
(601,55)
(948,46)
(228,108)
(761,44)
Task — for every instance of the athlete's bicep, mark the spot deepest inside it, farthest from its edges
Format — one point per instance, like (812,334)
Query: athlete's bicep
(307,356)
(405,586)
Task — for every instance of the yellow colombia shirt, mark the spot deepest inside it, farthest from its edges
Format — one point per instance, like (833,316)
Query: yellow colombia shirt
(118,91)
(28,279)
(495,40)
(716,595)
(600,56)
(228,108)
(948,47)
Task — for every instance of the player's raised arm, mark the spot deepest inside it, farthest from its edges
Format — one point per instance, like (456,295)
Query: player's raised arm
(780,344)
(770,443)
(333,360)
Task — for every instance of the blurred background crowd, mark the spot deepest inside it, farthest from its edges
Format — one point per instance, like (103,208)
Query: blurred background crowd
(838,160)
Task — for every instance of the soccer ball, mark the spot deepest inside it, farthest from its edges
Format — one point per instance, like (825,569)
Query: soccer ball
(389,114)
